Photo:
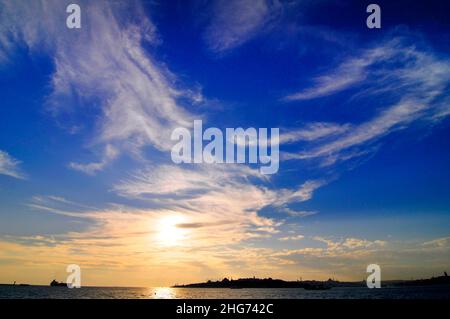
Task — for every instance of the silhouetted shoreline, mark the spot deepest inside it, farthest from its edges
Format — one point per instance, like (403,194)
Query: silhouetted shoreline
(309,284)
(278,283)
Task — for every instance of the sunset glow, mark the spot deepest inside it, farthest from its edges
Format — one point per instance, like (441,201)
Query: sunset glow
(315,146)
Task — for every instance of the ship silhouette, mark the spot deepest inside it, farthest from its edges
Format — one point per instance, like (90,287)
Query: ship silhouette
(55,283)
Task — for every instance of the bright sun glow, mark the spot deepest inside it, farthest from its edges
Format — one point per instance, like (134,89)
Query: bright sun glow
(169,234)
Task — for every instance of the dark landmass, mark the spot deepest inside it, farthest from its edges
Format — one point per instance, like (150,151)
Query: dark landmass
(263,283)
(54,283)
(278,283)
(19,285)
(309,284)
(441,280)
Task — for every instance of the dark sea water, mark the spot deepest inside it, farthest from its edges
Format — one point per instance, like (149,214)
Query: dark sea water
(43,292)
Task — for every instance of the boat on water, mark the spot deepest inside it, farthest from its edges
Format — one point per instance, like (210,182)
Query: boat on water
(55,283)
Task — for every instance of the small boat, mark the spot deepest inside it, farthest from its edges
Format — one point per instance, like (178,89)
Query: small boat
(55,283)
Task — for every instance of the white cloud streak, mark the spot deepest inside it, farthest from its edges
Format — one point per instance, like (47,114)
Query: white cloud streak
(313,132)
(103,65)
(346,75)
(231,193)
(296,237)
(298,213)
(91,168)
(418,80)
(10,166)
(235,22)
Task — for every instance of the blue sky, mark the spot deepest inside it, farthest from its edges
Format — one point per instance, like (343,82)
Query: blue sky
(86,117)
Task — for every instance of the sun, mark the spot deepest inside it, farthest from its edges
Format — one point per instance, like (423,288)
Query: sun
(169,234)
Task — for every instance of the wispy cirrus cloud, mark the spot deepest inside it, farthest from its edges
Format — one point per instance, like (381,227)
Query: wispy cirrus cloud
(296,237)
(109,155)
(103,66)
(408,85)
(5,47)
(155,180)
(207,188)
(346,75)
(298,213)
(10,166)
(302,194)
(235,22)
(348,243)
(230,195)
(313,132)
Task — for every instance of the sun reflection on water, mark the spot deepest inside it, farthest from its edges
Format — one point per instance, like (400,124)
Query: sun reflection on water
(164,293)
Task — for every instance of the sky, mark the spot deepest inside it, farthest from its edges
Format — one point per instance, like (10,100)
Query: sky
(86,117)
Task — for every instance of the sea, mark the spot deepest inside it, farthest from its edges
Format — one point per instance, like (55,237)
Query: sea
(47,292)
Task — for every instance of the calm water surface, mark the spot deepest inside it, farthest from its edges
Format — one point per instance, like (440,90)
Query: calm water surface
(17,292)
